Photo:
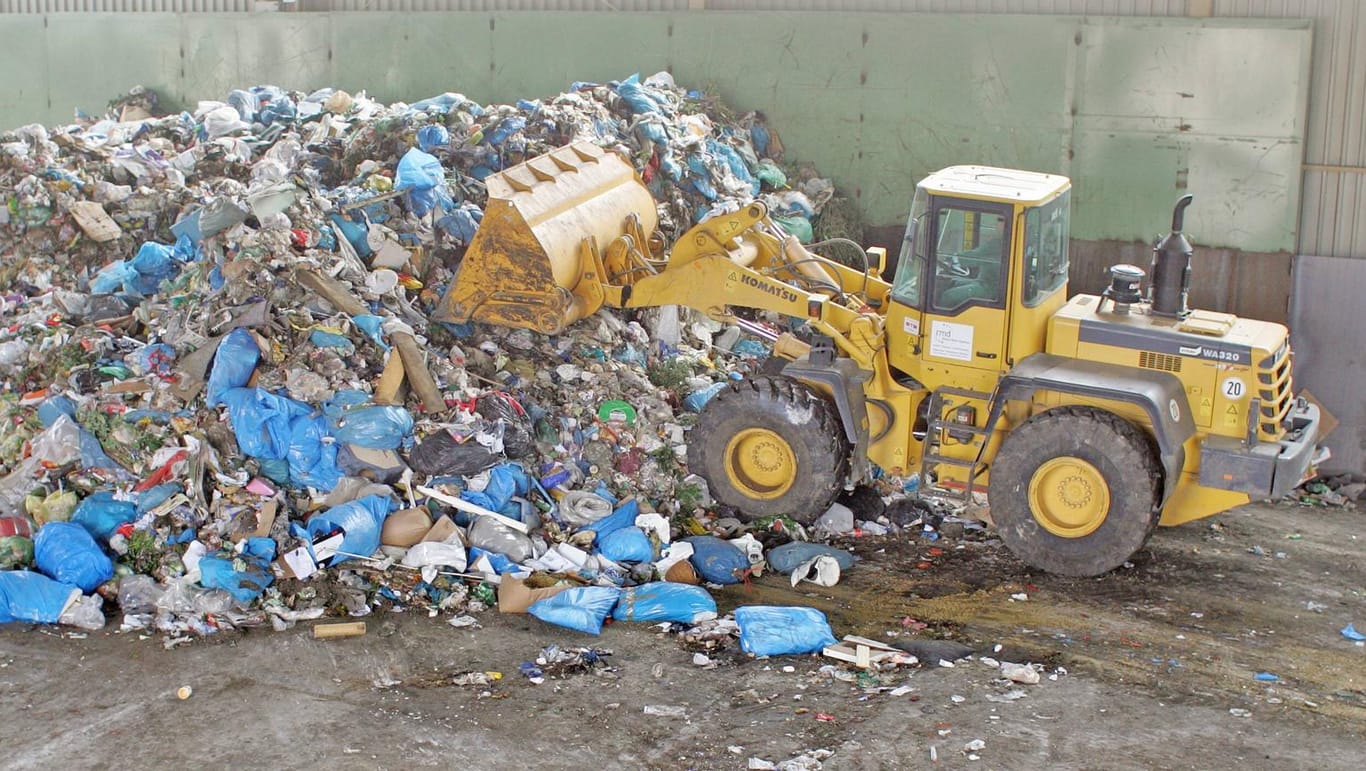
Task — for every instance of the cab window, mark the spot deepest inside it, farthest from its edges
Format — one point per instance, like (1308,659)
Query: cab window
(908,284)
(1046,236)
(970,245)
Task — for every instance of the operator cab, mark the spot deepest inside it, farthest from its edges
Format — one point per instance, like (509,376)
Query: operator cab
(982,244)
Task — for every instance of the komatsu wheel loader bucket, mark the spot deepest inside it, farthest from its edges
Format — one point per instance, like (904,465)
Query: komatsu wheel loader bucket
(534,261)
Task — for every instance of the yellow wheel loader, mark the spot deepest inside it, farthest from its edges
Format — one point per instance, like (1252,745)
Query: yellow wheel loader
(1088,420)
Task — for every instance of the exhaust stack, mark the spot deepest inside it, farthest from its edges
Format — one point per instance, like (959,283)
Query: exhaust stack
(1171,268)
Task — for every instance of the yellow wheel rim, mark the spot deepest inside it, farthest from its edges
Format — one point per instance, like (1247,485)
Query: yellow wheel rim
(760,463)
(1069,497)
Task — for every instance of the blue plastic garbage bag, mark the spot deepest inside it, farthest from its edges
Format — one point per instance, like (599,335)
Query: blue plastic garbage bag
(323,339)
(654,131)
(462,223)
(750,348)
(505,481)
(354,231)
(624,516)
(342,400)
(788,557)
(54,407)
(500,563)
(626,544)
(159,417)
(360,520)
(94,456)
(186,249)
(66,552)
(278,109)
(113,277)
(101,514)
(641,99)
(506,127)
(245,103)
(262,421)
(378,427)
(768,630)
(153,264)
(670,167)
(735,163)
(716,560)
(423,177)
(154,497)
(432,135)
(446,102)
(373,327)
(312,461)
(233,364)
(33,597)
(247,583)
(758,136)
(664,601)
(695,401)
(581,608)
(327,240)
(701,176)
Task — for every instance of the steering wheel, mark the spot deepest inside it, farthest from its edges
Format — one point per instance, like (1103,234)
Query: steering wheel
(952,267)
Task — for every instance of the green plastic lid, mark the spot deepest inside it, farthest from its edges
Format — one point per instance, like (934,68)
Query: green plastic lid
(617,411)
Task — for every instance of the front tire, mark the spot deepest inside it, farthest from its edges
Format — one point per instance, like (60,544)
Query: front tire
(770,446)
(1075,491)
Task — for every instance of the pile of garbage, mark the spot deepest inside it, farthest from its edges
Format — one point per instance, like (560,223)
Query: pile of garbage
(224,403)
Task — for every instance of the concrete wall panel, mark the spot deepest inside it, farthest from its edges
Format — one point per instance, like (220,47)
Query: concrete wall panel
(876,100)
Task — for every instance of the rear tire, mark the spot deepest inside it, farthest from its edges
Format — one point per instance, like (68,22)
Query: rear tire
(770,446)
(1074,491)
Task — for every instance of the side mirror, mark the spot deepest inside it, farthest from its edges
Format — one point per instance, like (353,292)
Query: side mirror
(877,260)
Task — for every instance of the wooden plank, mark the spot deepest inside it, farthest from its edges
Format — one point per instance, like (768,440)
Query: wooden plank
(332,631)
(418,375)
(332,291)
(389,387)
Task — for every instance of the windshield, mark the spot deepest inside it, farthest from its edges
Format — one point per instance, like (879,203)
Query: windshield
(1045,257)
(910,265)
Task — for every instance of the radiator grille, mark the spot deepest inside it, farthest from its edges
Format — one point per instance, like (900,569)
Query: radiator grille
(1161,361)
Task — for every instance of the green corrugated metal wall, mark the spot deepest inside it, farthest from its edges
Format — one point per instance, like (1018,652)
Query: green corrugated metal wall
(1135,110)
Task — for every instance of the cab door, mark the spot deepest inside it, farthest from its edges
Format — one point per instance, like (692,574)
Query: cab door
(964,322)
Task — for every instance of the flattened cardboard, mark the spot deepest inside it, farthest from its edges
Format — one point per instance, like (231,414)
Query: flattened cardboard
(94,221)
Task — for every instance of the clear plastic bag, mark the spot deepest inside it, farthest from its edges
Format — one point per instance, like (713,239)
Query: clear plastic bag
(85,613)
(139,594)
